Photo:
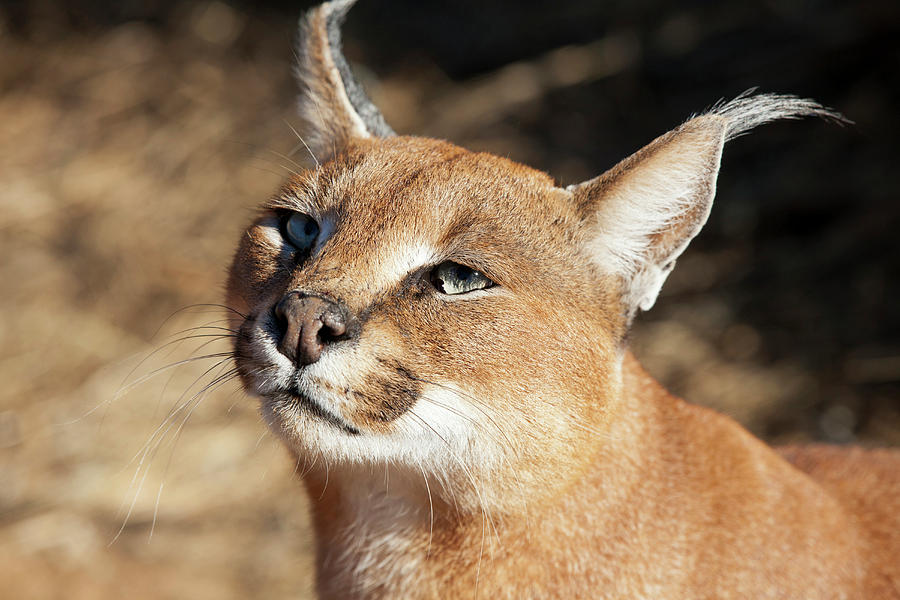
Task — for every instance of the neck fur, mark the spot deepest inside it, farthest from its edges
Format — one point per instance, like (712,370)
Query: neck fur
(378,524)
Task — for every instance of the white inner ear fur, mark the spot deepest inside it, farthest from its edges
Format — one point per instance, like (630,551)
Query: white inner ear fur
(336,81)
(320,77)
(652,205)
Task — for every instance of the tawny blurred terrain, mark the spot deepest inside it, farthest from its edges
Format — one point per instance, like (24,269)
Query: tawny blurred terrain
(136,141)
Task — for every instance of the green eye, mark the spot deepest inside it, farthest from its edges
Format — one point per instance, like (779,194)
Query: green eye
(453,278)
(301,231)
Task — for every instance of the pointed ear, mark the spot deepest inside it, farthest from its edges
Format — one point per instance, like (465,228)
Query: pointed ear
(639,216)
(332,103)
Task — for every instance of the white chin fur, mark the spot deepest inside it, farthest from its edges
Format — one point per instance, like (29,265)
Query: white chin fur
(439,433)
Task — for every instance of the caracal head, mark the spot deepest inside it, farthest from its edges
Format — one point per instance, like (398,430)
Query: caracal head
(409,302)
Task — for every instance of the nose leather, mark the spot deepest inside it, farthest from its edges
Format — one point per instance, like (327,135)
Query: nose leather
(309,324)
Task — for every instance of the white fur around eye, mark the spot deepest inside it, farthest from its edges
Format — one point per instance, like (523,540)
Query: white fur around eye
(271,237)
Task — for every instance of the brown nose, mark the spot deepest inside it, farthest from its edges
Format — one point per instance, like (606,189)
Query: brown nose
(309,324)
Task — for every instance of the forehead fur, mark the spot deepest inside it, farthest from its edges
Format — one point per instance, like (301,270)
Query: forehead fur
(390,176)
(469,205)
(416,160)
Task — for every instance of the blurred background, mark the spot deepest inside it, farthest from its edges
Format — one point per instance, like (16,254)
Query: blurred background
(137,137)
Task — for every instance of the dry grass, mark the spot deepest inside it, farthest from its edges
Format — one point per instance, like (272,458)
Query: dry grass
(128,171)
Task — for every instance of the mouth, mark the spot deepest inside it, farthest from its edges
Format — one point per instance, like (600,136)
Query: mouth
(319,411)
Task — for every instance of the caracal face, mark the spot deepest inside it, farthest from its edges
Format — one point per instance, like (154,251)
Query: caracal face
(442,334)
(427,378)
(409,303)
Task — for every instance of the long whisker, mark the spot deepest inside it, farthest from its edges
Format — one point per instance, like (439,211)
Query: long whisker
(287,158)
(211,332)
(481,503)
(155,511)
(307,468)
(288,170)
(153,443)
(302,141)
(430,511)
(183,338)
(124,390)
(476,403)
(269,171)
(198,305)
(174,371)
(215,384)
(324,487)
(150,449)
(261,437)
(469,475)
(174,411)
(480,555)
(177,363)
(489,434)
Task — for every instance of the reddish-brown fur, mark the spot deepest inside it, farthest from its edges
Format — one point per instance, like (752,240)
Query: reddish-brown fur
(509,444)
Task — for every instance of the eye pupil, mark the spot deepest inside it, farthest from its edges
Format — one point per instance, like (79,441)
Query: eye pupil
(453,278)
(301,231)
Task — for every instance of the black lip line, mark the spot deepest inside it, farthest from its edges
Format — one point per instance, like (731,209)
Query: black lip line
(323,414)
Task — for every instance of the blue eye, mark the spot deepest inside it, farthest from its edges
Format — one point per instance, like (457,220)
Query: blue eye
(301,231)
